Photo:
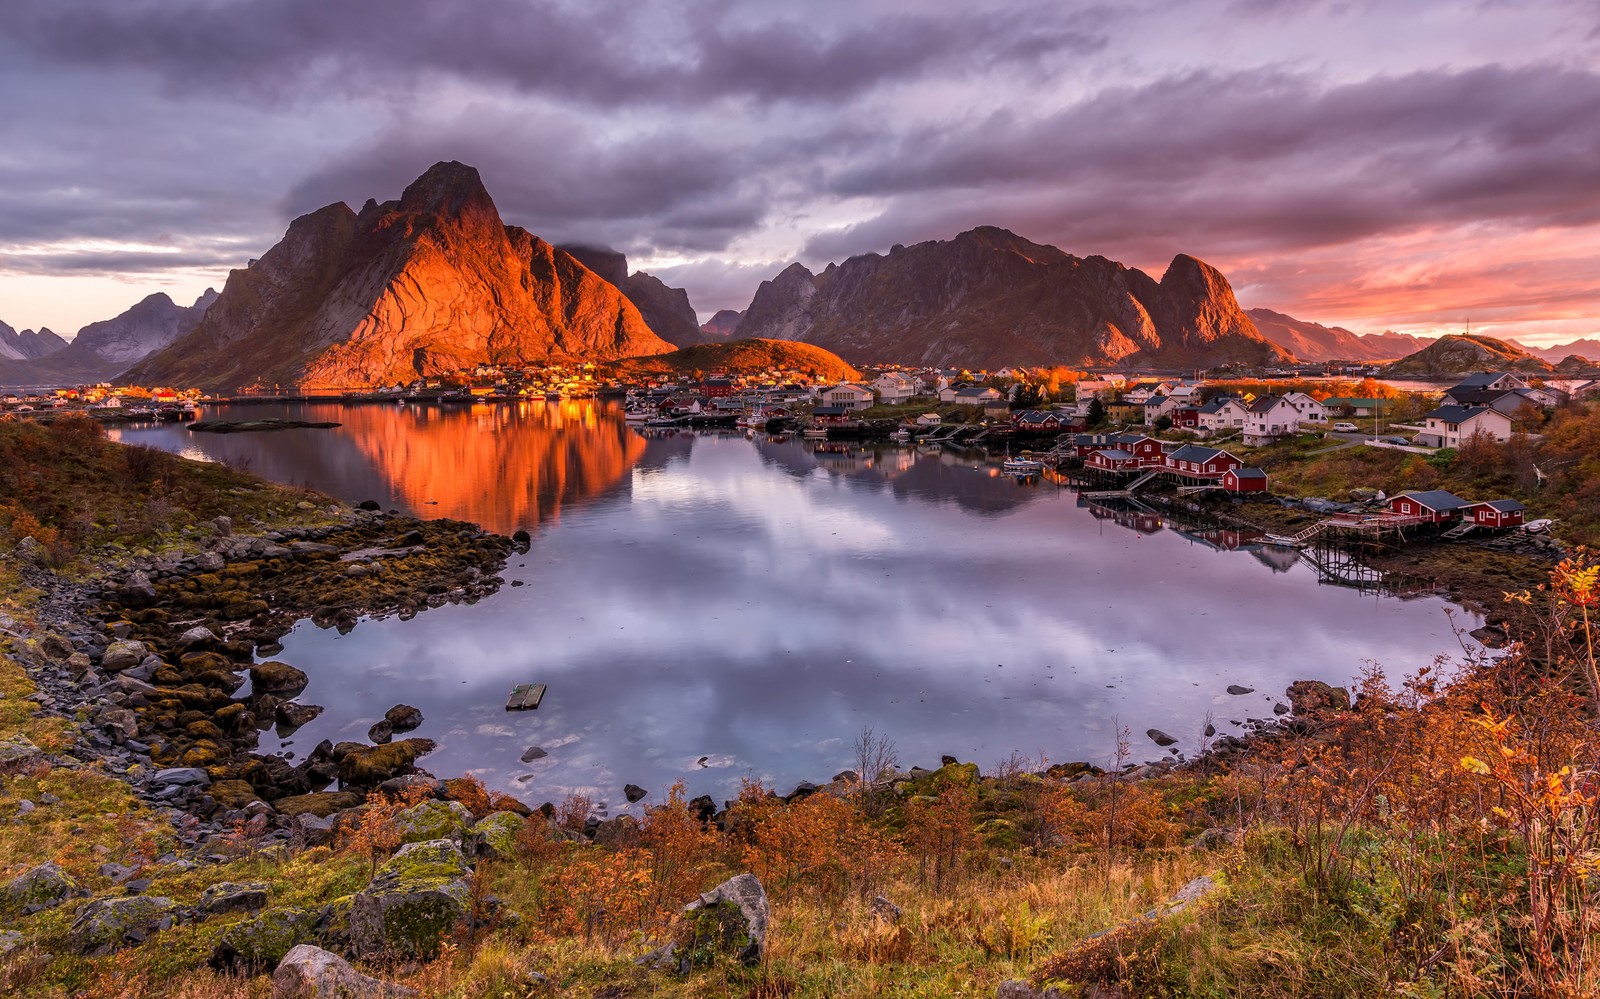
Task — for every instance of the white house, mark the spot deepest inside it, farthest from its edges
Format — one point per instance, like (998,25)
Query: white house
(847,395)
(929,420)
(1220,415)
(1269,418)
(894,387)
(110,402)
(1310,410)
(1451,426)
(1158,406)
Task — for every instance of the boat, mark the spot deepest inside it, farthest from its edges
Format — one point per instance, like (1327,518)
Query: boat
(666,421)
(552,397)
(189,411)
(815,433)
(1023,465)
(169,413)
(638,416)
(1539,526)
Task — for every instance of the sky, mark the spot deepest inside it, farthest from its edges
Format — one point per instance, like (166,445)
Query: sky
(1376,165)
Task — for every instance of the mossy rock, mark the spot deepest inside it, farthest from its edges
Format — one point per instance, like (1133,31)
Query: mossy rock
(496,835)
(259,943)
(368,766)
(433,820)
(411,905)
(321,804)
(106,924)
(277,678)
(333,926)
(730,919)
(232,793)
(43,887)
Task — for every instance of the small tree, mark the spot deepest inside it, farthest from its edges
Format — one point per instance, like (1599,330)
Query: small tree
(1097,413)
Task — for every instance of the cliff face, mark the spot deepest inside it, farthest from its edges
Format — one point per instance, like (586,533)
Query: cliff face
(722,325)
(102,350)
(412,288)
(989,297)
(1461,354)
(665,310)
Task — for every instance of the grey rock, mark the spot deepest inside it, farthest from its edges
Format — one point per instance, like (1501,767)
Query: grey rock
(10,940)
(228,896)
(413,903)
(1160,738)
(138,589)
(261,942)
(223,526)
(210,562)
(533,753)
(308,972)
(731,918)
(885,910)
(107,924)
(634,793)
(17,751)
(381,732)
(123,655)
(120,722)
(197,636)
(182,777)
(1236,690)
(403,717)
(43,887)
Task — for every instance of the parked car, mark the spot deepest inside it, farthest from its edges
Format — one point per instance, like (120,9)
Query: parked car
(1395,440)
(1346,428)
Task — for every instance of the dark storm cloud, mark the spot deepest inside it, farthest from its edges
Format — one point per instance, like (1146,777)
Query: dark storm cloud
(603,52)
(112,263)
(1249,160)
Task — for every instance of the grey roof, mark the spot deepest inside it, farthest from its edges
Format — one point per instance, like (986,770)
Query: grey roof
(1249,473)
(1457,414)
(1480,380)
(1114,453)
(1265,403)
(1503,505)
(1155,400)
(1437,500)
(1196,453)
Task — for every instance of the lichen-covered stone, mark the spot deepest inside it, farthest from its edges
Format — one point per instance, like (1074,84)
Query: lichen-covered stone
(366,766)
(729,919)
(321,804)
(233,793)
(496,835)
(229,896)
(277,678)
(433,820)
(308,972)
(414,901)
(43,887)
(123,655)
(17,751)
(333,923)
(106,924)
(259,943)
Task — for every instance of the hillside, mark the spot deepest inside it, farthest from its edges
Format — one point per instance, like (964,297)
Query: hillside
(103,350)
(405,289)
(741,356)
(1313,342)
(1461,354)
(988,298)
(1588,349)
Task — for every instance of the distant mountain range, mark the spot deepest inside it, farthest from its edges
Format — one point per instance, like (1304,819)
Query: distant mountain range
(100,350)
(431,283)
(989,298)
(1313,342)
(1459,354)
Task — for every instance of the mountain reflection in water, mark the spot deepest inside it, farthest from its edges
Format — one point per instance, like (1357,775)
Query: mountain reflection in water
(708,607)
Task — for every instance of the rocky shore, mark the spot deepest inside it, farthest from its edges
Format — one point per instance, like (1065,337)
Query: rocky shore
(155,656)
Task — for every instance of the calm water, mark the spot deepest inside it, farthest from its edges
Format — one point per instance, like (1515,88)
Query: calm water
(711,607)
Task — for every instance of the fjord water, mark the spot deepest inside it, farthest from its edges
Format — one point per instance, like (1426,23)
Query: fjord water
(712,607)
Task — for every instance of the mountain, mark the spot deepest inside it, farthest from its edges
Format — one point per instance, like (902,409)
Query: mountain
(1460,354)
(1390,344)
(28,345)
(666,310)
(102,350)
(722,325)
(1588,349)
(429,284)
(988,298)
(741,356)
(1314,342)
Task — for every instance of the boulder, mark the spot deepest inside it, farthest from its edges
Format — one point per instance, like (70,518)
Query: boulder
(277,678)
(1313,697)
(729,919)
(634,793)
(43,887)
(293,714)
(10,940)
(885,910)
(367,766)
(1160,738)
(229,896)
(308,972)
(321,804)
(533,753)
(381,731)
(182,777)
(1237,690)
(413,903)
(119,723)
(233,793)
(209,562)
(432,820)
(197,637)
(122,655)
(106,924)
(495,836)
(259,943)
(138,590)
(403,717)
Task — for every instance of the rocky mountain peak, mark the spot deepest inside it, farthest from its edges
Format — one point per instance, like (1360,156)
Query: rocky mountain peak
(449,190)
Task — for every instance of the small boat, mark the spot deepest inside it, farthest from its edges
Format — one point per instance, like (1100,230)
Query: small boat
(638,416)
(189,411)
(1023,465)
(815,433)
(751,421)
(1539,526)
(525,697)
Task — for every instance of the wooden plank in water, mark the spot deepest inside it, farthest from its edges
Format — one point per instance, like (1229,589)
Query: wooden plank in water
(525,696)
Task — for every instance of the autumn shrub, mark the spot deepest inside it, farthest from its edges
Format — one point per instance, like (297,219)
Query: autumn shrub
(939,835)
(819,844)
(681,850)
(376,833)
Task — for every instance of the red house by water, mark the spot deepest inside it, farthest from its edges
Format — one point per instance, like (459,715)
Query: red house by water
(1433,506)
(1197,462)
(1495,513)
(1112,460)
(1244,480)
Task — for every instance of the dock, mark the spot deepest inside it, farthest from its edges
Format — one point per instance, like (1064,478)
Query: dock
(525,697)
